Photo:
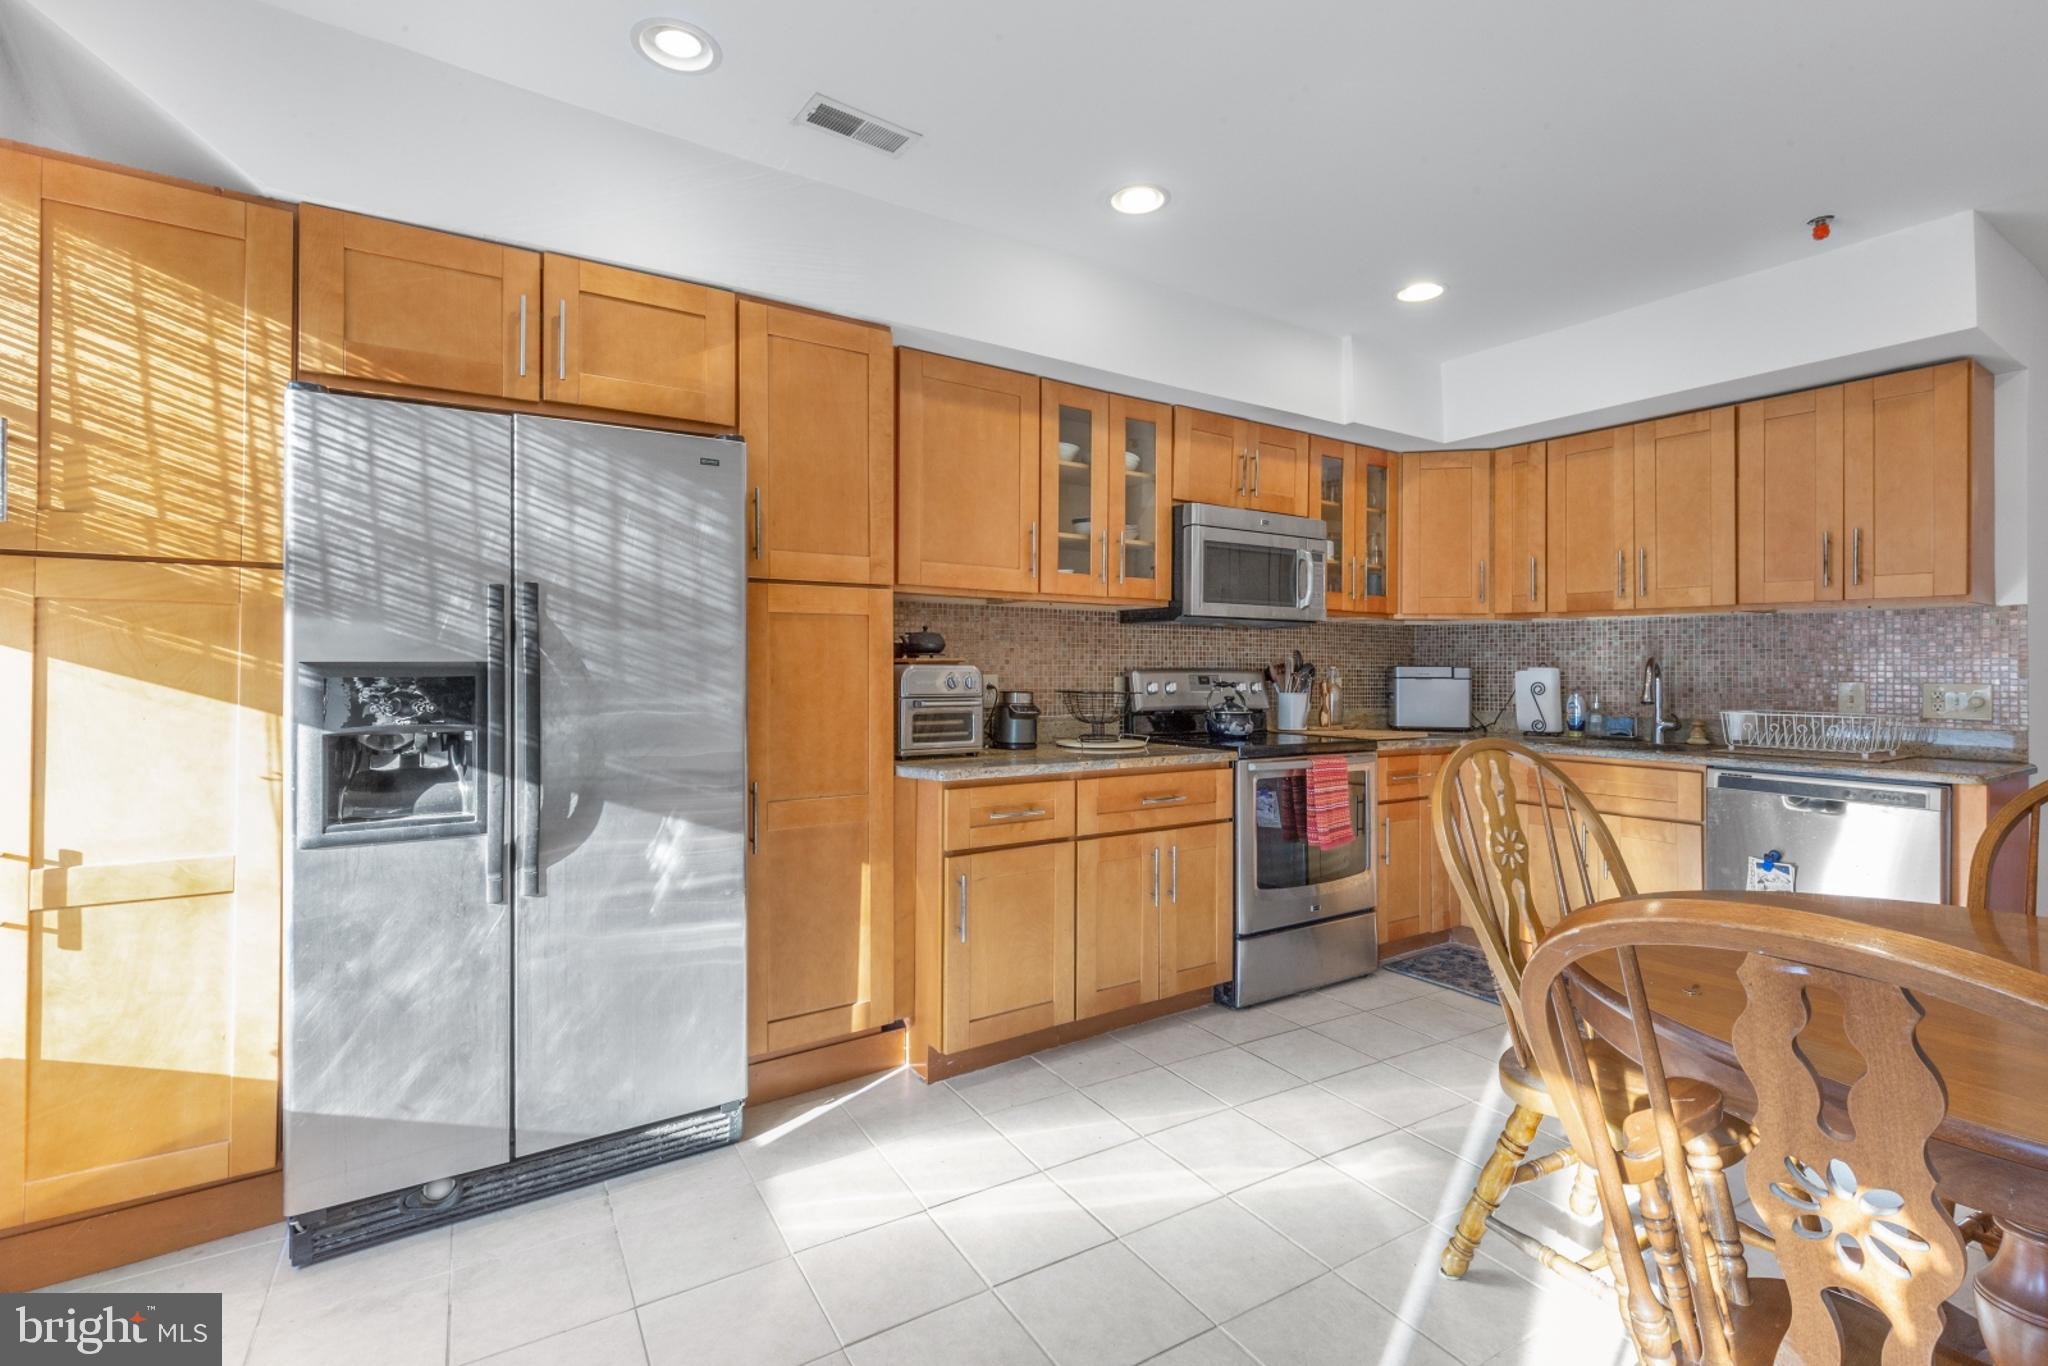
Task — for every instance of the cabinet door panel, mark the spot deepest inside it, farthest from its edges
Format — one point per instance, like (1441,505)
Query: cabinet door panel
(1520,488)
(1446,532)
(1662,856)
(1279,476)
(1073,463)
(1907,483)
(1374,531)
(1211,457)
(1685,511)
(153,902)
(818,410)
(1789,499)
(403,305)
(820,911)
(166,347)
(1334,473)
(1009,943)
(1141,506)
(1592,521)
(1404,882)
(21,213)
(638,343)
(1118,883)
(967,469)
(1196,943)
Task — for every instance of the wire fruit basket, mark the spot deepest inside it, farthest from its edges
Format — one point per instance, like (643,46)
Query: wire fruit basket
(1102,711)
(1814,732)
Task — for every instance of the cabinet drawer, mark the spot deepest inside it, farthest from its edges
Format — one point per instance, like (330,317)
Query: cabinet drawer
(1152,800)
(1663,792)
(1408,775)
(1015,813)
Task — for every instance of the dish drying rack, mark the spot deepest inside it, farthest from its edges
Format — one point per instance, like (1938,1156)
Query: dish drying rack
(1815,732)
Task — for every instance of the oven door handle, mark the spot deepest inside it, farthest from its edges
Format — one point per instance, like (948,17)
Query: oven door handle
(1255,767)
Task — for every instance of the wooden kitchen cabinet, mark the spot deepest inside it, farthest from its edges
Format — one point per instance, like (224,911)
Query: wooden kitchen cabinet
(1279,472)
(1197,926)
(139,987)
(1334,474)
(1591,521)
(1408,898)
(1789,542)
(817,406)
(968,493)
(1118,883)
(1520,528)
(1685,511)
(638,343)
(1662,856)
(1009,946)
(1074,511)
(1917,485)
(1140,501)
(395,304)
(1227,460)
(820,909)
(148,344)
(1446,535)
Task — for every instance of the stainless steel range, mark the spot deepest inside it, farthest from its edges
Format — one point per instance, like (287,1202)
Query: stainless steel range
(1304,912)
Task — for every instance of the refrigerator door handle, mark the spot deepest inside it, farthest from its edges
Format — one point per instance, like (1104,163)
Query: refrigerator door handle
(529,740)
(494,745)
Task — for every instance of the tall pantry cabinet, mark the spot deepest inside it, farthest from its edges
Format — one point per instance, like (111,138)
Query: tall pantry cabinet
(145,345)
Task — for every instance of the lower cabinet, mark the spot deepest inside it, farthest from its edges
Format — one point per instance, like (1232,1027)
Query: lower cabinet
(1414,891)
(1009,959)
(1197,920)
(1662,856)
(1151,916)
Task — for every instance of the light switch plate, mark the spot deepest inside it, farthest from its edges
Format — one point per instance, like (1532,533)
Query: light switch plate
(1955,701)
(1852,699)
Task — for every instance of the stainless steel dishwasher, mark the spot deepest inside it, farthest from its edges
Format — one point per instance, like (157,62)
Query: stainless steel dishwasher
(1849,836)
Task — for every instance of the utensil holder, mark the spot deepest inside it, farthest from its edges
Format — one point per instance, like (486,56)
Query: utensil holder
(1291,708)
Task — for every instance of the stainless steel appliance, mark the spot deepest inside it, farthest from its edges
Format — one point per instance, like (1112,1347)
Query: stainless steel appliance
(1429,697)
(1014,722)
(1235,567)
(1304,915)
(515,929)
(939,709)
(1842,836)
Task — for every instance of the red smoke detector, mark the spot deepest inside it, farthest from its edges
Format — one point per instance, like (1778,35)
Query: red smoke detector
(1821,227)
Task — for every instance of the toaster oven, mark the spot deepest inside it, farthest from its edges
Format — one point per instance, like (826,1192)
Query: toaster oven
(938,709)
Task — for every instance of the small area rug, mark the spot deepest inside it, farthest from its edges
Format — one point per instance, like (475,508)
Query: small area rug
(1457,966)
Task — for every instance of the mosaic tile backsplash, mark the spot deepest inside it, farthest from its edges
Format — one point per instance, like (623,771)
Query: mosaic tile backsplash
(1771,660)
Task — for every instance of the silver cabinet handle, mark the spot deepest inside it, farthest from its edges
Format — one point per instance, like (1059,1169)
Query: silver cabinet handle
(1827,558)
(1620,574)
(1164,799)
(1173,885)
(1532,580)
(1155,875)
(963,908)
(1387,840)
(1103,574)
(3,469)
(1244,468)
(1034,550)
(1856,555)
(1344,578)
(1029,813)
(1482,581)
(522,336)
(1255,471)
(562,342)
(753,818)
(494,745)
(757,521)
(1123,553)
(529,739)
(1642,571)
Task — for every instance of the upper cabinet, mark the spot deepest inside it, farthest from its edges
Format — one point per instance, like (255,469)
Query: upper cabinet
(1520,529)
(1875,490)
(1685,511)
(145,345)
(1446,533)
(1592,521)
(1141,506)
(1227,460)
(1102,460)
(638,343)
(388,304)
(817,407)
(1353,488)
(1916,484)
(968,512)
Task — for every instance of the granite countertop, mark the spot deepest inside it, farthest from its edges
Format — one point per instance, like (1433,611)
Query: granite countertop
(1922,768)
(1051,761)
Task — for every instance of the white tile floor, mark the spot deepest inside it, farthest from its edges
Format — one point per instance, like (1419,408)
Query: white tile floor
(1271,1185)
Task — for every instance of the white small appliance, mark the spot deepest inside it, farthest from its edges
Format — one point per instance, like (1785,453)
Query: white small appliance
(1539,707)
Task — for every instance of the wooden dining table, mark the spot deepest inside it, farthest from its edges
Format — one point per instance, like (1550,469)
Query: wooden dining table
(1991,1151)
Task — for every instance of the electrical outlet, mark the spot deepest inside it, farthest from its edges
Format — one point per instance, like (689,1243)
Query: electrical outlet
(1955,701)
(1852,699)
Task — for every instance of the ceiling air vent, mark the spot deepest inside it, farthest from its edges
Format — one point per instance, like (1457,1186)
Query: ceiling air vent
(835,116)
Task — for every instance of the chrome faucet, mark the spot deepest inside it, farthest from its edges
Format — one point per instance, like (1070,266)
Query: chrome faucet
(1653,698)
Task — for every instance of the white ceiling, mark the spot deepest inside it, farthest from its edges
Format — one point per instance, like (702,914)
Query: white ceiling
(1548,162)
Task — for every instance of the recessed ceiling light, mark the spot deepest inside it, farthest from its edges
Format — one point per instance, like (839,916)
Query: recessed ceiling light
(1138,199)
(1421,292)
(676,45)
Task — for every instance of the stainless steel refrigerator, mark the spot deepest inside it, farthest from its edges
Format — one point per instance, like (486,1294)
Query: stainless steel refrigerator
(515,927)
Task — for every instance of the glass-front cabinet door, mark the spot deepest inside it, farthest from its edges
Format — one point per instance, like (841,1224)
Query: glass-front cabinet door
(1373,529)
(1073,468)
(1330,466)
(1140,527)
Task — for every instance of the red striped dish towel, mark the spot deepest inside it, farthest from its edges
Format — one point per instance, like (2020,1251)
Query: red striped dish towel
(1329,802)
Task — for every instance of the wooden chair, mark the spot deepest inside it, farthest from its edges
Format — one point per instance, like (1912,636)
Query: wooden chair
(1525,850)
(1840,1172)
(2024,808)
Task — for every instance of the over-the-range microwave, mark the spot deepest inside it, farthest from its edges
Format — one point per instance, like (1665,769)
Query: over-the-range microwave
(1236,567)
